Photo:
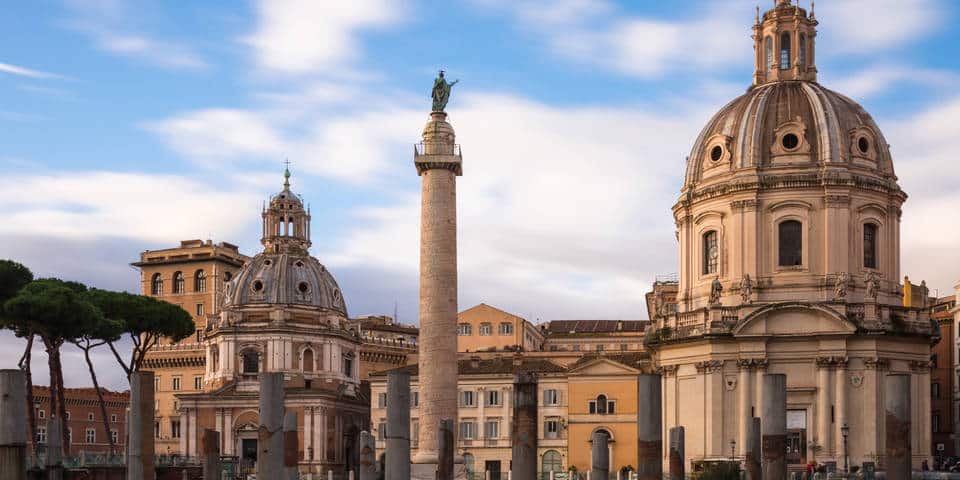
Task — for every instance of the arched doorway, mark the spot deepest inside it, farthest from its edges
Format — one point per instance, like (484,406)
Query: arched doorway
(551,462)
(610,441)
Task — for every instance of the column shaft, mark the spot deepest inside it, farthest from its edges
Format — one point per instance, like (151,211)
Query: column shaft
(13,437)
(270,440)
(398,426)
(649,428)
(898,413)
(774,424)
(823,411)
(523,433)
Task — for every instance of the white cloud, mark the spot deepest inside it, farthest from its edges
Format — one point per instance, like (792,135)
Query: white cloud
(304,36)
(870,26)
(27,72)
(110,24)
(108,204)
(880,78)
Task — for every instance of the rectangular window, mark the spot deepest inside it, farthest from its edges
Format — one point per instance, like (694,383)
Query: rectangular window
(492,398)
(113,418)
(790,243)
(506,328)
(464,329)
(551,428)
(551,397)
(486,329)
(935,422)
(711,252)
(114,437)
(41,434)
(382,400)
(382,431)
(491,429)
(174,428)
(611,407)
(414,399)
(869,245)
(198,382)
(600,348)
(41,414)
(90,417)
(156,429)
(91,436)
(576,348)
(176,384)
(466,398)
(592,407)
(935,390)
(348,366)
(415,433)
(199,309)
(467,430)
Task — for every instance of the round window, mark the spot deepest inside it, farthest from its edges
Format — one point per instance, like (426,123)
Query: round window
(790,141)
(716,153)
(303,287)
(257,286)
(863,144)
(267,262)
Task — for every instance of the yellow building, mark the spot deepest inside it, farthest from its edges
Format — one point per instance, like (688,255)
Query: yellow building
(486,328)
(573,338)
(603,397)
(192,276)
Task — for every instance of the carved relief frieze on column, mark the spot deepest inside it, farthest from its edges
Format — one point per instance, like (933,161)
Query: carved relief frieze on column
(709,366)
(876,363)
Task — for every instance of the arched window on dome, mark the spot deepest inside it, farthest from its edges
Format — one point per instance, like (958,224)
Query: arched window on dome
(869,245)
(803,50)
(250,362)
(200,281)
(768,47)
(179,284)
(785,51)
(711,252)
(790,243)
(156,285)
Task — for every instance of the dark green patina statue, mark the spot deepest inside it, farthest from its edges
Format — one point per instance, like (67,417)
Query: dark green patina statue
(441,92)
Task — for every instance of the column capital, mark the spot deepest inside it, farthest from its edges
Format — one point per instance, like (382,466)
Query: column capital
(876,363)
(709,366)
(667,370)
(831,362)
(921,366)
(752,363)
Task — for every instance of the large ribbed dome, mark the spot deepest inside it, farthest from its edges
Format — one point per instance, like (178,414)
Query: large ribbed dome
(289,279)
(788,125)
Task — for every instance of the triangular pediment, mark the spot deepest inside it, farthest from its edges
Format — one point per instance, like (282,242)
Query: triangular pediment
(602,366)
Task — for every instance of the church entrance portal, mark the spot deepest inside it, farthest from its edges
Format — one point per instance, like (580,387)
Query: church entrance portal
(797,437)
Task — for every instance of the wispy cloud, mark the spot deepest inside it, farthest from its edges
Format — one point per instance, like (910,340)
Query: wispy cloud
(28,72)
(108,24)
(881,78)
(306,36)
(869,27)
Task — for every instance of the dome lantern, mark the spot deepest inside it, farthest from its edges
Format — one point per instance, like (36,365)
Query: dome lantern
(784,44)
(286,224)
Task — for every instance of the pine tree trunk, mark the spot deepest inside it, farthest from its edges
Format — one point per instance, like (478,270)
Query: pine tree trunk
(62,405)
(103,404)
(31,412)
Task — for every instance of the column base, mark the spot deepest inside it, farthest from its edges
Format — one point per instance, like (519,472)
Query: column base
(428,471)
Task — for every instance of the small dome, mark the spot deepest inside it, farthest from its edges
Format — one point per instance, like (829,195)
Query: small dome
(289,279)
(788,125)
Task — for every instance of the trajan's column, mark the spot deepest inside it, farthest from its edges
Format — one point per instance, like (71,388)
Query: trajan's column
(438,163)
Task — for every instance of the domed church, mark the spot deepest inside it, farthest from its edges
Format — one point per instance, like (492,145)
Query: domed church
(788,225)
(282,312)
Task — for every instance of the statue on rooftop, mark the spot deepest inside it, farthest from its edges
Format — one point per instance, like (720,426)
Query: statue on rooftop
(441,92)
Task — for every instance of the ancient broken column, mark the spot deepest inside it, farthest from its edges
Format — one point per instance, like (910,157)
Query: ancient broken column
(140,449)
(398,426)
(210,446)
(438,163)
(751,458)
(773,418)
(600,456)
(523,434)
(649,428)
(445,447)
(368,456)
(678,463)
(55,448)
(291,453)
(270,436)
(897,413)
(13,437)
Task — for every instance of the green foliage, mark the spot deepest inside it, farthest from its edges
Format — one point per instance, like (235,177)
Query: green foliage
(727,470)
(54,309)
(13,277)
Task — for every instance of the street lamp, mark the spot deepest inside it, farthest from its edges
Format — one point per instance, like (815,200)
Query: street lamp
(733,449)
(845,431)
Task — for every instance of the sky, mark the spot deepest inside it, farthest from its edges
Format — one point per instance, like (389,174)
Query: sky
(129,126)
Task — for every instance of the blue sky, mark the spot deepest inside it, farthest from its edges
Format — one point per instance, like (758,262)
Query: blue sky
(127,126)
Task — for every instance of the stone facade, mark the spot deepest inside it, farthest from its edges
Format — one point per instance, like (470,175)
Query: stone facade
(943,381)
(789,258)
